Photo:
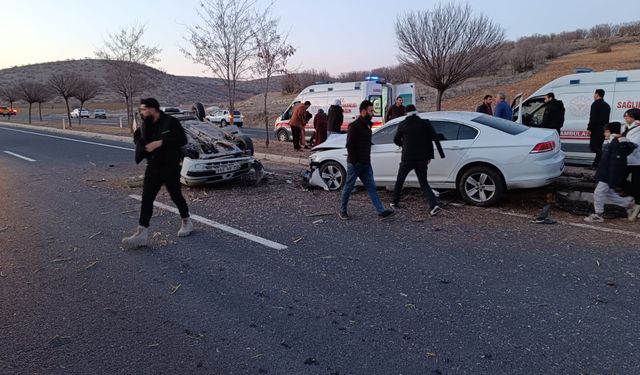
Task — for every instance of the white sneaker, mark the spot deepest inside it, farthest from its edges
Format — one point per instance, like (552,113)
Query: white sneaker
(185,228)
(633,212)
(139,239)
(594,218)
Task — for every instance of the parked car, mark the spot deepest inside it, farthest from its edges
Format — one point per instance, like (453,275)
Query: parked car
(77,113)
(223,117)
(100,113)
(7,111)
(484,156)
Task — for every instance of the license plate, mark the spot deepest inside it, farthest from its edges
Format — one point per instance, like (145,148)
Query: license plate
(227,168)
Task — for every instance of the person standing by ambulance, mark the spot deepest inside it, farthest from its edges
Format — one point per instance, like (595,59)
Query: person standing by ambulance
(598,116)
(297,124)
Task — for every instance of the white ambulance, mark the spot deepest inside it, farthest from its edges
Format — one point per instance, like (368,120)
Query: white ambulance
(351,94)
(622,92)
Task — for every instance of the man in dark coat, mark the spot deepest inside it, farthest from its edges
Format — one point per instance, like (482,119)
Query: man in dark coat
(599,115)
(359,162)
(159,140)
(485,107)
(320,125)
(416,136)
(553,117)
(336,117)
(396,110)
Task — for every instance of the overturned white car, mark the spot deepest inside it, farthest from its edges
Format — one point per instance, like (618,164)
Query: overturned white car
(215,155)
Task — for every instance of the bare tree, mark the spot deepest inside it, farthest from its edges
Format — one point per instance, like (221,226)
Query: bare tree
(64,85)
(444,47)
(46,94)
(601,34)
(224,42)
(127,56)
(272,53)
(86,90)
(31,92)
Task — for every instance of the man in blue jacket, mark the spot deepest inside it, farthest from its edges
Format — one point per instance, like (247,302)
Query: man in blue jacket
(503,109)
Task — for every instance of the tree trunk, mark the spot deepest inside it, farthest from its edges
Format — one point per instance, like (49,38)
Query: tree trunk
(439,100)
(30,113)
(66,101)
(266,115)
(129,123)
(40,111)
(231,105)
(80,113)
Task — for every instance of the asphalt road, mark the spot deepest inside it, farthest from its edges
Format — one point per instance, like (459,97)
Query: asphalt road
(468,292)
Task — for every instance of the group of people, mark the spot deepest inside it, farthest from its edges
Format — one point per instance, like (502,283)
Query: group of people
(323,123)
(502,109)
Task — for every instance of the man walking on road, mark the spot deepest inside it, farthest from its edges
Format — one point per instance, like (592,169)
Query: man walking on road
(416,137)
(159,140)
(485,107)
(598,117)
(359,162)
(396,110)
(297,123)
(503,109)
(553,117)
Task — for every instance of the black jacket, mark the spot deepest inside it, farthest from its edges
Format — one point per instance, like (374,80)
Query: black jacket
(394,112)
(613,165)
(336,118)
(598,116)
(553,117)
(167,129)
(416,137)
(359,141)
(484,108)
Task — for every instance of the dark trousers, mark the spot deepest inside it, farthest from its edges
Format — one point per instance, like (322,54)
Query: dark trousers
(633,188)
(595,144)
(154,178)
(420,167)
(295,134)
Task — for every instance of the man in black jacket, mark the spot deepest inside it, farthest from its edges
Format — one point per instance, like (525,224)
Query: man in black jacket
(598,116)
(553,117)
(159,140)
(359,162)
(396,110)
(416,137)
(485,107)
(336,117)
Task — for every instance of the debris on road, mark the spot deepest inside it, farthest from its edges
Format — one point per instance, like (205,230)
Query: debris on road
(297,240)
(92,264)
(175,288)
(94,235)
(60,260)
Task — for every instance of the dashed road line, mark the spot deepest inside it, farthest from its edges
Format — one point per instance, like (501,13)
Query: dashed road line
(223,227)
(19,156)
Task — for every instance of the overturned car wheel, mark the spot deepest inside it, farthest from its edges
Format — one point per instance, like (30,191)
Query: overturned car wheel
(333,174)
(245,143)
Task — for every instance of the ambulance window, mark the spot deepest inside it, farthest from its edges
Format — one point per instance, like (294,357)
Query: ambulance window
(532,111)
(377,105)
(289,112)
(621,79)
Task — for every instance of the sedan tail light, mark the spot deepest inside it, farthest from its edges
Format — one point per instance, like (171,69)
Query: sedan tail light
(543,147)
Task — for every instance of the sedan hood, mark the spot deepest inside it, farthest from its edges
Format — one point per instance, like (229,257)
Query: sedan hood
(334,141)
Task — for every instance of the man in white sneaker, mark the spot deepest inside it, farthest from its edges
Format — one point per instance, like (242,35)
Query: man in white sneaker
(159,140)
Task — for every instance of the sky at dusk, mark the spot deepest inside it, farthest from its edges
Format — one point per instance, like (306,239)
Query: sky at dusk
(338,36)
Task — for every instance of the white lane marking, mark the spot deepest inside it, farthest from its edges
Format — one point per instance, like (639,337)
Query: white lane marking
(70,139)
(215,224)
(19,156)
(577,225)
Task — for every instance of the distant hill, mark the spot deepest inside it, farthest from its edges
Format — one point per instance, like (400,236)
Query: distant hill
(168,89)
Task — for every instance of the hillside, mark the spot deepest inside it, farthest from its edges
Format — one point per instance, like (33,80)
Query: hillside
(622,57)
(169,89)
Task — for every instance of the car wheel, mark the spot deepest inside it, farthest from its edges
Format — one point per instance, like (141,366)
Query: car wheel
(245,143)
(283,136)
(223,123)
(333,174)
(481,186)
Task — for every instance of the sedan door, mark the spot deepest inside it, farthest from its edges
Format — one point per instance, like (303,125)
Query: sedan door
(456,139)
(385,155)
